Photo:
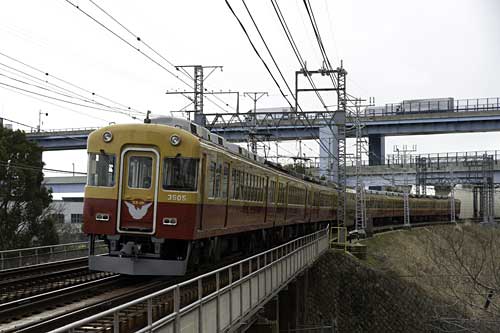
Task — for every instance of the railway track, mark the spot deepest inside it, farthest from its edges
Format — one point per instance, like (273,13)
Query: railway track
(56,308)
(61,307)
(33,270)
(135,317)
(48,311)
(21,283)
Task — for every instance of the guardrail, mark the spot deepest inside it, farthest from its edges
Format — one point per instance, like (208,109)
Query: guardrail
(45,254)
(258,279)
(61,130)
(435,159)
(434,105)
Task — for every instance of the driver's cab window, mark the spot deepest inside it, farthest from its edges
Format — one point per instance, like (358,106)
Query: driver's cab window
(140,169)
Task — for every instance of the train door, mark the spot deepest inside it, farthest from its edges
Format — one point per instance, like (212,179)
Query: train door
(138,190)
(225,189)
(265,193)
(215,196)
(281,204)
(271,201)
(203,190)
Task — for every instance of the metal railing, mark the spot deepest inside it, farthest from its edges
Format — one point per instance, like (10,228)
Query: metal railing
(44,132)
(435,159)
(240,290)
(45,254)
(435,105)
(316,118)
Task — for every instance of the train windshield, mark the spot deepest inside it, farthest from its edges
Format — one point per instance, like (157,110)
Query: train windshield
(180,174)
(140,169)
(101,170)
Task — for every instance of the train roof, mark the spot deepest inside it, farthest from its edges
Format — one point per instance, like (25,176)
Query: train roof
(205,134)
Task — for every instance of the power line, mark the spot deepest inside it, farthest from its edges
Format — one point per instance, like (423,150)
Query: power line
(314,24)
(35,168)
(136,48)
(56,105)
(47,75)
(17,122)
(269,71)
(58,89)
(295,49)
(139,39)
(58,99)
(302,64)
(65,95)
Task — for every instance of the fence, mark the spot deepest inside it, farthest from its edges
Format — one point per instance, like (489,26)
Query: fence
(435,159)
(44,254)
(434,105)
(240,290)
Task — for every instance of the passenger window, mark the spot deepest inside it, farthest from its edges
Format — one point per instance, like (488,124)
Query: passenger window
(217,185)
(101,170)
(180,174)
(140,169)
(211,179)
(225,180)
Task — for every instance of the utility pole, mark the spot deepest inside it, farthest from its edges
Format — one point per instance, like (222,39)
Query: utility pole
(336,120)
(254,96)
(402,152)
(421,175)
(360,208)
(406,203)
(341,74)
(199,91)
(40,114)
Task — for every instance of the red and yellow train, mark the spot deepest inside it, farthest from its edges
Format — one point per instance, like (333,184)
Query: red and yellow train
(170,194)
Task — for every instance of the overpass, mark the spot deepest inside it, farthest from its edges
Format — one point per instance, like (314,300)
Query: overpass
(439,169)
(464,116)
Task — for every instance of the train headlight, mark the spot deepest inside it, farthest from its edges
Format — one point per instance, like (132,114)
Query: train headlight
(175,140)
(107,136)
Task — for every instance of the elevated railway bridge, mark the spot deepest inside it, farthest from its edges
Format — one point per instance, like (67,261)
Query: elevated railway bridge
(462,116)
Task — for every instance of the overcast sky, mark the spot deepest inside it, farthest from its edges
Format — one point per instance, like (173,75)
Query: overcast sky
(392,49)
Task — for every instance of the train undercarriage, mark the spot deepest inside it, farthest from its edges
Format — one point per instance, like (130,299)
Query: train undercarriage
(148,255)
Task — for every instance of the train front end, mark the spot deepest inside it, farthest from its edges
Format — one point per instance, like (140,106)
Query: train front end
(142,198)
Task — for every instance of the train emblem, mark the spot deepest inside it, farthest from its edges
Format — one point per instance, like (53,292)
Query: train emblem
(138,208)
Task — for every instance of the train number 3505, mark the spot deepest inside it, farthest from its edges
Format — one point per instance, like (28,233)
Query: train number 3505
(176,197)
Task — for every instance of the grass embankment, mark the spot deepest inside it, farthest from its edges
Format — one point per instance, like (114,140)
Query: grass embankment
(459,265)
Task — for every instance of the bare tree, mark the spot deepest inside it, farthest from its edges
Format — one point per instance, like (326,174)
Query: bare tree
(464,270)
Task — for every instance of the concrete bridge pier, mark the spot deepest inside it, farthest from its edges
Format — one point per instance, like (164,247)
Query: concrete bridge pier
(376,149)
(328,159)
(286,311)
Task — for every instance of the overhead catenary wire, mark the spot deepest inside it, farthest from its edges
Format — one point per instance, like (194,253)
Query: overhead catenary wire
(35,81)
(47,75)
(84,100)
(7,164)
(317,34)
(17,122)
(301,61)
(56,105)
(57,99)
(295,49)
(137,38)
(270,72)
(141,40)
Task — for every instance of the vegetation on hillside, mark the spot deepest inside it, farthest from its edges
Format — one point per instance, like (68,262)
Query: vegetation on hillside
(458,264)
